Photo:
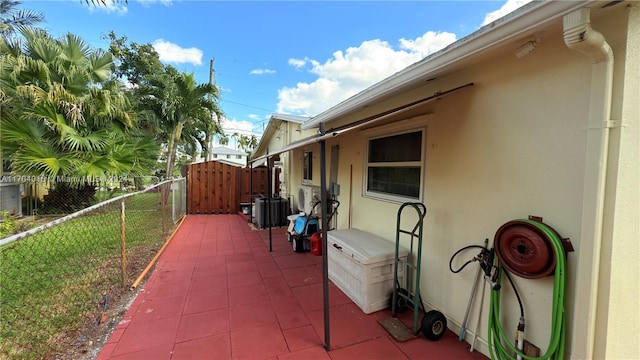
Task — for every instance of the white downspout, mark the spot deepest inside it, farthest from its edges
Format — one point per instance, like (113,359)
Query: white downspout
(579,35)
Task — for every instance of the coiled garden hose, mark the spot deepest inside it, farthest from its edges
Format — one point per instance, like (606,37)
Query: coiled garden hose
(477,258)
(500,347)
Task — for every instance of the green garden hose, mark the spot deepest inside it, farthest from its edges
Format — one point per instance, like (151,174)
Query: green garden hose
(497,337)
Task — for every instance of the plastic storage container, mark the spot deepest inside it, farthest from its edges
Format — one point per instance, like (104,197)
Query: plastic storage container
(361,265)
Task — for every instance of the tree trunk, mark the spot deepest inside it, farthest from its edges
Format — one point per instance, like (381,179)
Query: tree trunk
(173,148)
(205,151)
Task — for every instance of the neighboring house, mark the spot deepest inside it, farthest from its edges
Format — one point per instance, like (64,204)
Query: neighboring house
(549,127)
(282,130)
(229,156)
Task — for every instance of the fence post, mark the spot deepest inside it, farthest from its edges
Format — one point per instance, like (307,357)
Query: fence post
(163,205)
(123,244)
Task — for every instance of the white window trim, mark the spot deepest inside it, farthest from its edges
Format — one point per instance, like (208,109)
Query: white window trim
(307,181)
(422,163)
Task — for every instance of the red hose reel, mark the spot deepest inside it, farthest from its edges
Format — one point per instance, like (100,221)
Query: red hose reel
(524,250)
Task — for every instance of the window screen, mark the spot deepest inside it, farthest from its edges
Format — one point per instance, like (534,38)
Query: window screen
(394,166)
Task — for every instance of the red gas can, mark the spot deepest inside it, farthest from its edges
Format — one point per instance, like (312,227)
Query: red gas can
(316,243)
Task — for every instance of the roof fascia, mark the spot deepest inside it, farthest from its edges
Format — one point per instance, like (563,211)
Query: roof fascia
(274,122)
(266,136)
(533,15)
(291,118)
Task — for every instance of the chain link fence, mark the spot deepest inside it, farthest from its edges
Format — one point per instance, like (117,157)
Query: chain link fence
(64,268)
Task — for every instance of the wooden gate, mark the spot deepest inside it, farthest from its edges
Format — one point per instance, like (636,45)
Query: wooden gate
(217,188)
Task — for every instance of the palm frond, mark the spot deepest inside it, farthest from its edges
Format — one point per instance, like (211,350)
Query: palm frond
(94,167)
(75,51)
(92,141)
(18,132)
(37,165)
(100,65)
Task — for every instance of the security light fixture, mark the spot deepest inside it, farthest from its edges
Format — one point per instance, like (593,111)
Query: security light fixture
(525,49)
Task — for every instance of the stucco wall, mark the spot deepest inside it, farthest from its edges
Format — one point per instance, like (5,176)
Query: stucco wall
(513,145)
(509,147)
(619,314)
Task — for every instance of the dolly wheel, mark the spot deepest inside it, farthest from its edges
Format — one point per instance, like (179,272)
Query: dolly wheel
(401,302)
(434,324)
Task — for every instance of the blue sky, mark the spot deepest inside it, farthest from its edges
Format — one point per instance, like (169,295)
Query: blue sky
(294,57)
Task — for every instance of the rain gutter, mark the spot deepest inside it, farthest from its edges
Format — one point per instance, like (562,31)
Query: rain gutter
(536,14)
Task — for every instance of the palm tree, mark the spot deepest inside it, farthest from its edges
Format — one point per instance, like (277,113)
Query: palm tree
(243,142)
(12,19)
(184,107)
(62,116)
(223,139)
(253,142)
(235,136)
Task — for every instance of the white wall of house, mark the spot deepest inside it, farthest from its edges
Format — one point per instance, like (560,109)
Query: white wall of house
(228,155)
(619,281)
(517,144)
(278,134)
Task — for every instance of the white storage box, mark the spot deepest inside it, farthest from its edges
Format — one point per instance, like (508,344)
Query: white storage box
(361,265)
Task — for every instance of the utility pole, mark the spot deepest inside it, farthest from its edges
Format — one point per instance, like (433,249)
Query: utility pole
(208,137)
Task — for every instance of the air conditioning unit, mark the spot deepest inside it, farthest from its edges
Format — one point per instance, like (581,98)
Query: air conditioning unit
(11,198)
(307,197)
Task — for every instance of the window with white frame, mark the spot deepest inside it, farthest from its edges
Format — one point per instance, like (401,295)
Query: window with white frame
(307,166)
(394,166)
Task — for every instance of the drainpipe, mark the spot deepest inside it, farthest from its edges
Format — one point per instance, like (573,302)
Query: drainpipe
(579,36)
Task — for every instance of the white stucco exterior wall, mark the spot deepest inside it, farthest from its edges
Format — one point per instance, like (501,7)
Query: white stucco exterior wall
(513,145)
(620,319)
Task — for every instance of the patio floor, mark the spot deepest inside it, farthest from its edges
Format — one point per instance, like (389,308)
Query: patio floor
(218,293)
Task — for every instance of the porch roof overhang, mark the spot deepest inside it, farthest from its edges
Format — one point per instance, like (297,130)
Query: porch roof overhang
(524,21)
(362,123)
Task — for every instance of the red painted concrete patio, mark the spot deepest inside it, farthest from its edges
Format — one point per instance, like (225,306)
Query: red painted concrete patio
(218,293)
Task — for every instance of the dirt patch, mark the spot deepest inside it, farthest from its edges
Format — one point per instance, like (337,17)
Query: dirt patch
(87,343)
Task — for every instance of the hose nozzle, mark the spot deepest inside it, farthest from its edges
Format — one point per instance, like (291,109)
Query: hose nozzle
(490,271)
(494,284)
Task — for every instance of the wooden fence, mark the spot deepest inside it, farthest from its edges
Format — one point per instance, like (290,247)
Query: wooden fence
(217,188)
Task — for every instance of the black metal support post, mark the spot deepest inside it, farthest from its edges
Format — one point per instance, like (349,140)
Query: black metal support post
(269,202)
(250,192)
(325,226)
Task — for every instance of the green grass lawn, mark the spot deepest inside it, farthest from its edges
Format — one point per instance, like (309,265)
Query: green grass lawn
(53,284)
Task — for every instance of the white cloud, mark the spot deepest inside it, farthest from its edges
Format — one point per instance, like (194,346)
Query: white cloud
(173,53)
(428,43)
(297,63)
(119,7)
(507,8)
(351,71)
(262,71)
(110,7)
(151,2)
(231,126)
